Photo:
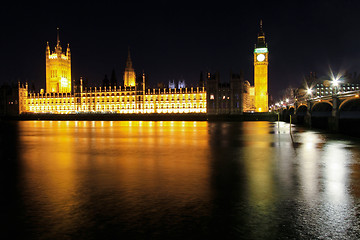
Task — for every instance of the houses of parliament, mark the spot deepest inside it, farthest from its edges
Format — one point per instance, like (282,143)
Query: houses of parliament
(211,96)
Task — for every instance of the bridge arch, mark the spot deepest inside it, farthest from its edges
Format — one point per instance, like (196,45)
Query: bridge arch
(302,108)
(322,106)
(320,113)
(350,104)
(349,116)
(291,110)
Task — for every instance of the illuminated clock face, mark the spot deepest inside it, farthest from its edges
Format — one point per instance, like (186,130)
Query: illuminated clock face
(260,57)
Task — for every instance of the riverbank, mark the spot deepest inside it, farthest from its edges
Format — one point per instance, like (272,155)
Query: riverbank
(144,117)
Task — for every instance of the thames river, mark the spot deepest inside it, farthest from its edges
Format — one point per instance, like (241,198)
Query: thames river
(177,180)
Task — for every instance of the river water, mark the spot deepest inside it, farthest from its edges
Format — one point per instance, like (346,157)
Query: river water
(177,180)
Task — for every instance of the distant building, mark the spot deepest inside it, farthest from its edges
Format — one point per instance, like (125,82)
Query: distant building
(180,84)
(12,99)
(172,84)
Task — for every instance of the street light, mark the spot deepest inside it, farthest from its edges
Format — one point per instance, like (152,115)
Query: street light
(335,83)
(309,93)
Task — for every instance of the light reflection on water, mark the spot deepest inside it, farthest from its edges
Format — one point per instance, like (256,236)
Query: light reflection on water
(250,180)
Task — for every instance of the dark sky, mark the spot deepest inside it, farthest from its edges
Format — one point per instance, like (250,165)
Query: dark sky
(178,39)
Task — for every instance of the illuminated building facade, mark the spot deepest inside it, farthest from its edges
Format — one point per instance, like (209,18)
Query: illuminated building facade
(58,69)
(211,96)
(119,100)
(261,73)
(248,97)
(133,97)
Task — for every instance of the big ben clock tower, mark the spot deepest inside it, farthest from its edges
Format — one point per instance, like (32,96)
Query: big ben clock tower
(261,62)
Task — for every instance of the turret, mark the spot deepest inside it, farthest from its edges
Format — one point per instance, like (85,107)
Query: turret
(47,50)
(68,54)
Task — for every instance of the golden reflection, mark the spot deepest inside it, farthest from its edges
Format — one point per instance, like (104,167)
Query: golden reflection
(48,154)
(131,159)
(258,163)
(74,171)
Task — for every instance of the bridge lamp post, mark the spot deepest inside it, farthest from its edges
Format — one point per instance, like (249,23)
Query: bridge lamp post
(309,92)
(335,83)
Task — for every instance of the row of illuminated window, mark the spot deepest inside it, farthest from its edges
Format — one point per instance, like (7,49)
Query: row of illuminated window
(178,97)
(118,94)
(115,107)
(151,97)
(212,97)
(189,105)
(51,101)
(54,73)
(340,88)
(101,100)
(54,56)
(51,108)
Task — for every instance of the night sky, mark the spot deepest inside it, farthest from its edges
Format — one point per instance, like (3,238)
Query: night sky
(178,39)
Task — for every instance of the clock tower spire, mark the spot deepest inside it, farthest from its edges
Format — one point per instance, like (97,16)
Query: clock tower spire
(261,72)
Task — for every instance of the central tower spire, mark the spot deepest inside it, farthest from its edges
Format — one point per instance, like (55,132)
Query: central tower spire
(129,74)
(128,60)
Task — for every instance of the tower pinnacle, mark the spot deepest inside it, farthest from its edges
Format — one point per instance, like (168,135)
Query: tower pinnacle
(261,37)
(128,61)
(58,37)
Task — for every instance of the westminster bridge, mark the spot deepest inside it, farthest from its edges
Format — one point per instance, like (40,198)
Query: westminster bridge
(338,112)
